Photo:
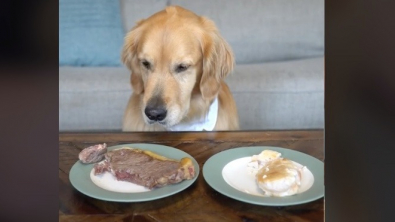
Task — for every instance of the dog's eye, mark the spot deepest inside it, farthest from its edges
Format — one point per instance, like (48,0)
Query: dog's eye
(146,64)
(181,68)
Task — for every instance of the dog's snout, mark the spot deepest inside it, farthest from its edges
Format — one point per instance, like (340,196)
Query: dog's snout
(155,113)
(155,109)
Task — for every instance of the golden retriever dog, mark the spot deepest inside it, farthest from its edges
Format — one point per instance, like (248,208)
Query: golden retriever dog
(178,62)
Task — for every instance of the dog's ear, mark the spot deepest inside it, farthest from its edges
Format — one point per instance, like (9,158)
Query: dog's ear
(129,57)
(218,60)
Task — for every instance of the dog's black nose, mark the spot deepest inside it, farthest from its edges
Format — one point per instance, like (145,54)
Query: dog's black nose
(156,114)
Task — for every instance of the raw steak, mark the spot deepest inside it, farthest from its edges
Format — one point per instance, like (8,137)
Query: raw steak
(93,154)
(145,168)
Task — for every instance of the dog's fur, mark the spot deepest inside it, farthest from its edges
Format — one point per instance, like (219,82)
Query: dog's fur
(178,61)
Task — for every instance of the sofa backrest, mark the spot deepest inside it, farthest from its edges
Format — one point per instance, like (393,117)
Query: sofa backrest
(257,30)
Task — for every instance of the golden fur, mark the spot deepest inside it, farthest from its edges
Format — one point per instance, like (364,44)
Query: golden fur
(178,61)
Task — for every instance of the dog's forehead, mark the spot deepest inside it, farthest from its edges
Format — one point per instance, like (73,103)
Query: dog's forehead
(173,43)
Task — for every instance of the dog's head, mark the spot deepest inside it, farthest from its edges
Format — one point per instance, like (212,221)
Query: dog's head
(176,58)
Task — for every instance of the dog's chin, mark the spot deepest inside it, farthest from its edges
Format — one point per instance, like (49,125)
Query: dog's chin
(166,124)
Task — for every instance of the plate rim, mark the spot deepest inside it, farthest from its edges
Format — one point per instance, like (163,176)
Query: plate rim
(213,167)
(159,193)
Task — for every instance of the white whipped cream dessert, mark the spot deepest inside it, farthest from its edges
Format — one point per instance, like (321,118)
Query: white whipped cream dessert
(260,160)
(280,177)
(275,175)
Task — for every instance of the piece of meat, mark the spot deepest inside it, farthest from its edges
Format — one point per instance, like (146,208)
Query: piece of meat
(93,154)
(145,168)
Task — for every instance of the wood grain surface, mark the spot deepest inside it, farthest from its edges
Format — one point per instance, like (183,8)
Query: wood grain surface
(199,202)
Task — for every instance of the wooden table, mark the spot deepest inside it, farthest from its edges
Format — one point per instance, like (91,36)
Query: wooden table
(199,202)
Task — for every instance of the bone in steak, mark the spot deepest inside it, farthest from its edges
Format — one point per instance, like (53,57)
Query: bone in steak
(93,154)
(145,168)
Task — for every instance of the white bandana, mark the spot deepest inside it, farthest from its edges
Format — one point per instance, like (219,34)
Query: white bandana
(207,123)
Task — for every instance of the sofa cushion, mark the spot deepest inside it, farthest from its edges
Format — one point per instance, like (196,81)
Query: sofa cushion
(90,33)
(280,95)
(266,30)
(92,98)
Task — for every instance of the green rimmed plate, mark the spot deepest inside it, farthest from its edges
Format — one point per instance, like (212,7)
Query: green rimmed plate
(216,173)
(81,181)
